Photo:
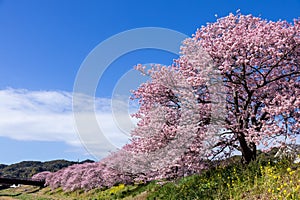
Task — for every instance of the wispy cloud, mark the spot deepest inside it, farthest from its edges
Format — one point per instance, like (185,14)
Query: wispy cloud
(48,116)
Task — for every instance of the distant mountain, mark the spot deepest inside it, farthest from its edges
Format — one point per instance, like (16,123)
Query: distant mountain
(2,166)
(27,169)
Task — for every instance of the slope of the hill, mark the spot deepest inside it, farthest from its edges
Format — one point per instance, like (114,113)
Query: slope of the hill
(268,178)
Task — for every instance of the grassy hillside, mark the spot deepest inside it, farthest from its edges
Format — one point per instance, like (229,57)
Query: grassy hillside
(265,179)
(26,169)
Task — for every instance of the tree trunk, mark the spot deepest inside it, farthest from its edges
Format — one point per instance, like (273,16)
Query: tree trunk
(248,150)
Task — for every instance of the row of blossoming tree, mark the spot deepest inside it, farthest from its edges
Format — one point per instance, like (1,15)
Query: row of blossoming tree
(235,88)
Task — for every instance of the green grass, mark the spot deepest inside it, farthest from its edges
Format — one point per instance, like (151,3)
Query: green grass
(264,179)
(256,181)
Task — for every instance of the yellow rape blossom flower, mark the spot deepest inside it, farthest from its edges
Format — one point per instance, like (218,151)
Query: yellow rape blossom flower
(292,172)
(269,190)
(284,191)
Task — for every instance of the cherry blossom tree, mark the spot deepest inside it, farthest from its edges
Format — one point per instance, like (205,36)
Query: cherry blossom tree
(257,62)
(236,87)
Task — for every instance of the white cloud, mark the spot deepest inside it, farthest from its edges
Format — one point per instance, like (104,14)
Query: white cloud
(48,116)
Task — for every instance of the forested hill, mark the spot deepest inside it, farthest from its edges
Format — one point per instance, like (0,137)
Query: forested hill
(26,169)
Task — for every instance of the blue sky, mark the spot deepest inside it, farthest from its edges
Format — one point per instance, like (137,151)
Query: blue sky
(44,42)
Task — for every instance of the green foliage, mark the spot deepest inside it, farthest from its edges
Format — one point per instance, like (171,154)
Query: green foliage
(258,180)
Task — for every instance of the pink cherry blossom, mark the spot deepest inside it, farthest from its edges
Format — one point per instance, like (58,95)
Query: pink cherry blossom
(234,88)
